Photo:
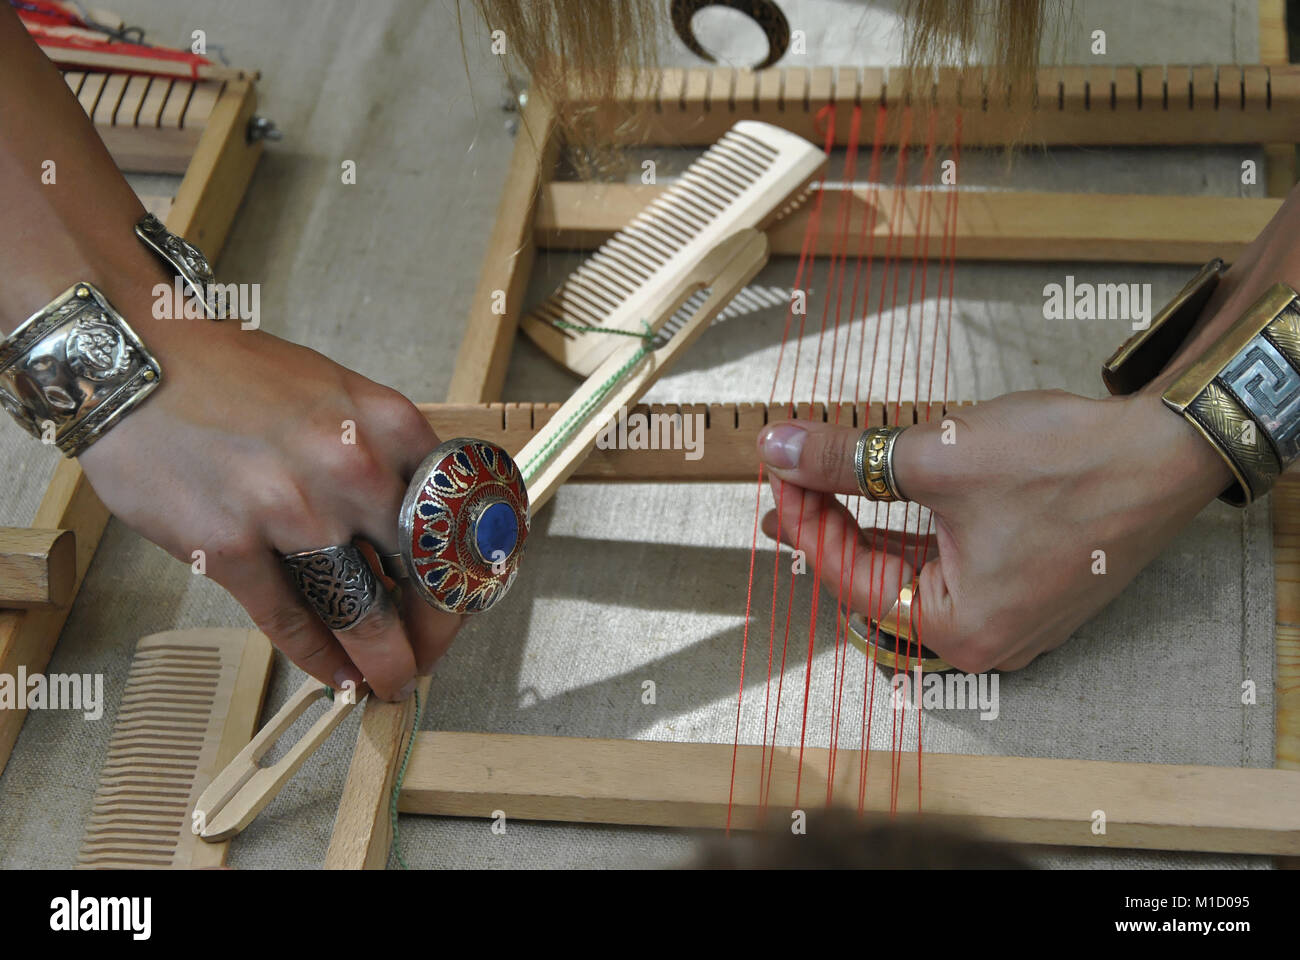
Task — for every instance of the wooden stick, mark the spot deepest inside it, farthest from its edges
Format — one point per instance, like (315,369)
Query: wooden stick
(243,788)
(991,225)
(362,834)
(485,350)
(1018,799)
(725,444)
(555,452)
(37,567)
(1080,106)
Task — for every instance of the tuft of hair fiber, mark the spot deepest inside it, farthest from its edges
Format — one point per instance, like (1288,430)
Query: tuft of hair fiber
(578,46)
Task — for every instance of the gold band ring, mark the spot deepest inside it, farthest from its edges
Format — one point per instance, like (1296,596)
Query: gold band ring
(873,464)
(889,640)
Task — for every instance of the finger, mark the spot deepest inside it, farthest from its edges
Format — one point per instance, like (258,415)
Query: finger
(820,456)
(910,548)
(821,526)
(408,440)
(940,624)
(378,644)
(266,590)
(402,434)
(431,630)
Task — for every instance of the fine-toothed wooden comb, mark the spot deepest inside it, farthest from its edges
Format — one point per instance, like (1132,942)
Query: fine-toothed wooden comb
(191,702)
(754,175)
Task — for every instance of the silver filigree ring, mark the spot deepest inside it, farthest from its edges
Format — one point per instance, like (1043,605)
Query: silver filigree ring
(337,582)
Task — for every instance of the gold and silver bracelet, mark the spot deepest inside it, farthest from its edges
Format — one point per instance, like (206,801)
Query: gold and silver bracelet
(1242,395)
(75,368)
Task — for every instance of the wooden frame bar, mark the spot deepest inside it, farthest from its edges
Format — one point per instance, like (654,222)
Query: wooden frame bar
(205,206)
(726,443)
(1152,806)
(148,124)
(1080,106)
(991,225)
(1232,809)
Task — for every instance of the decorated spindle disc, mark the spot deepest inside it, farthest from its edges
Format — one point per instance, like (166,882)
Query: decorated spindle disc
(463,525)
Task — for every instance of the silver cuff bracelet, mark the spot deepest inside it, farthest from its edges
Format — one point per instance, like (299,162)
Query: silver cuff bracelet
(185,259)
(71,371)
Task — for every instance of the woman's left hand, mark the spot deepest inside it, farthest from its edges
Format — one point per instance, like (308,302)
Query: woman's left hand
(1025,490)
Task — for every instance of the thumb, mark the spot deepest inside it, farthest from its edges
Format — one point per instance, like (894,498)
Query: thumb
(820,456)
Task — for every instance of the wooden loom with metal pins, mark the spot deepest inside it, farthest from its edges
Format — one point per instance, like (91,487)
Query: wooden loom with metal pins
(205,131)
(1158,806)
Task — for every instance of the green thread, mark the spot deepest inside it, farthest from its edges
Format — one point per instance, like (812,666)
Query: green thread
(580,328)
(571,422)
(397,782)
(528,469)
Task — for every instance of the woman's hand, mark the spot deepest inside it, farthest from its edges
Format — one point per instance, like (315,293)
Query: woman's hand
(1030,486)
(243,453)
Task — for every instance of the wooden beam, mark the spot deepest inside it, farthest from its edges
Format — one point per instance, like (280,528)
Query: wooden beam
(38,567)
(148,124)
(991,225)
(1080,106)
(27,637)
(484,353)
(1274,50)
(1017,799)
(725,445)
(218,175)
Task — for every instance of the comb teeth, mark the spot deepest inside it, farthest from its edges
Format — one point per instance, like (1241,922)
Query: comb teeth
(177,708)
(753,175)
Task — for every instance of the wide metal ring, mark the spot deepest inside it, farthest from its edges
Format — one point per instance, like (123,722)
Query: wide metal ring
(337,582)
(463,525)
(873,464)
(888,641)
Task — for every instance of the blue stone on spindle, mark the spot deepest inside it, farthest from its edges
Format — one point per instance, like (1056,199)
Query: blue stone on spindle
(497,529)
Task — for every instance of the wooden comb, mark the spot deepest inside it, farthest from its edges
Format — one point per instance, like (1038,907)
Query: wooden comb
(191,702)
(754,175)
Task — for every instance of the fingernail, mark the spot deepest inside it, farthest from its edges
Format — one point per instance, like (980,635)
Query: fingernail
(407,690)
(345,675)
(780,446)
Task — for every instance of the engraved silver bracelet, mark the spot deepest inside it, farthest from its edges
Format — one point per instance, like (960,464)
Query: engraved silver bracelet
(185,259)
(73,369)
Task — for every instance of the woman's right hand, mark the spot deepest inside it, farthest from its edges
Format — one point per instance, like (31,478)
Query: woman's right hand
(245,452)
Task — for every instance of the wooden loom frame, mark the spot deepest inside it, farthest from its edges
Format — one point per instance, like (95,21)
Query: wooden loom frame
(1155,806)
(215,179)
